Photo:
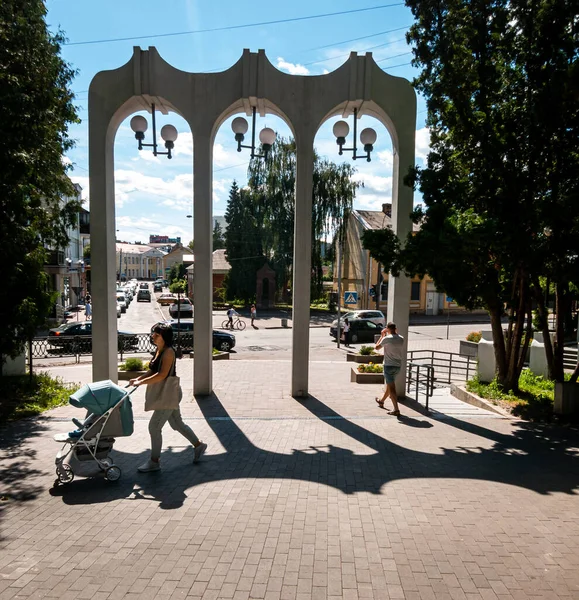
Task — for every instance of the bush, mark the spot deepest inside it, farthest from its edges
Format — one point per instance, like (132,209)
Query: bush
(132,364)
(367,351)
(370,368)
(474,336)
(22,396)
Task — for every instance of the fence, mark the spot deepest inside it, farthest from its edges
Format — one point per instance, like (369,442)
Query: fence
(421,377)
(448,367)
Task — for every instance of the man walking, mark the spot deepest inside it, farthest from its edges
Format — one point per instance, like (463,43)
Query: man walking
(393,345)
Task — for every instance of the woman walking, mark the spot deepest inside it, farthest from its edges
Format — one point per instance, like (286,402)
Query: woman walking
(161,367)
(253,314)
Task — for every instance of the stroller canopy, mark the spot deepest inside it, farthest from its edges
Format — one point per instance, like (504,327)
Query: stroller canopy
(100,396)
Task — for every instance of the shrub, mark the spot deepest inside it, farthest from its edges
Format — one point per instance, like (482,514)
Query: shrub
(132,364)
(367,351)
(370,368)
(474,336)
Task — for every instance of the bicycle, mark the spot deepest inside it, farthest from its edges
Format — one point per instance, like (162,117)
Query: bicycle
(237,324)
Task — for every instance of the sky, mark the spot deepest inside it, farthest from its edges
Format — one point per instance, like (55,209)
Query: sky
(154,195)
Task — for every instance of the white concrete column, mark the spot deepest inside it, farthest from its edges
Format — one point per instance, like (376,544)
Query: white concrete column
(103,247)
(203,235)
(399,287)
(302,271)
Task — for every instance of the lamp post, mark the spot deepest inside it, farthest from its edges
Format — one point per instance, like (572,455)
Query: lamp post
(168,133)
(367,137)
(266,136)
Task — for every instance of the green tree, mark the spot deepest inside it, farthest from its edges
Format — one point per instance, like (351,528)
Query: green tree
(37,109)
(272,185)
(176,273)
(191,245)
(488,181)
(218,237)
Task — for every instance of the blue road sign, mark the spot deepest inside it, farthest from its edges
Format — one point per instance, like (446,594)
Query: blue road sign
(351,298)
(449,299)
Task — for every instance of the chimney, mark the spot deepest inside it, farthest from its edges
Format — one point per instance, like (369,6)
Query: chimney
(387,209)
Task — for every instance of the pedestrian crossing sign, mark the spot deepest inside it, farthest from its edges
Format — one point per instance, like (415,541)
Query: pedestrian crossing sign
(351,298)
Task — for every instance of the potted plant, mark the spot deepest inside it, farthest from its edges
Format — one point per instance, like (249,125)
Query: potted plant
(370,373)
(131,368)
(366,355)
(469,347)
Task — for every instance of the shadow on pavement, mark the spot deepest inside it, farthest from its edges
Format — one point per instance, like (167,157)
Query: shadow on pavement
(538,458)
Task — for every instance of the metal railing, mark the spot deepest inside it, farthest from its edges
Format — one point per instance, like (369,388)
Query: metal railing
(135,343)
(422,378)
(448,367)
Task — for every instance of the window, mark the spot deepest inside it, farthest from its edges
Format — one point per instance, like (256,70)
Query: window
(415,291)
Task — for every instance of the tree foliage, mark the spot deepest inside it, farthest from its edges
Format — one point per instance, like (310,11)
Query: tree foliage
(266,211)
(500,185)
(218,237)
(37,108)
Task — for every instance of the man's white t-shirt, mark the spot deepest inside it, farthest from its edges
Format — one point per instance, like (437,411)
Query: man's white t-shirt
(393,346)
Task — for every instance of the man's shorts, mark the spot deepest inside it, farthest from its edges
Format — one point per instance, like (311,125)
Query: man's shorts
(390,374)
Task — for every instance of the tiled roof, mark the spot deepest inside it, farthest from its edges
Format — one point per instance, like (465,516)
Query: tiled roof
(376,219)
(219,261)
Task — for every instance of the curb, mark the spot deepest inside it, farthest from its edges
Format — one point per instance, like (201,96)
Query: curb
(462,394)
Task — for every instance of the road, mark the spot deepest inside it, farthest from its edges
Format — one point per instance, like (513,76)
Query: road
(268,336)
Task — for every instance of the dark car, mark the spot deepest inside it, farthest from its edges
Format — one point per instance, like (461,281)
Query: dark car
(182,306)
(360,330)
(222,340)
(158,286)
(78,336)
(144,295)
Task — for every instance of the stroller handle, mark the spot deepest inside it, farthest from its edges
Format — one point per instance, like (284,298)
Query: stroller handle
(134,388)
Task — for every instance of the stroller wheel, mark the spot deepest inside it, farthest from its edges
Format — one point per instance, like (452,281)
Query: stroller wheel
(113,473)
(64,473)
(107,462)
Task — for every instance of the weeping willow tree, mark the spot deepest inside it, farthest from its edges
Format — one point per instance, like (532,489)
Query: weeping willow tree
(271,193)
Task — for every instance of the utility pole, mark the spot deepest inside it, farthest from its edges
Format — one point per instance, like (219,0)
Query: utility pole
(378,287)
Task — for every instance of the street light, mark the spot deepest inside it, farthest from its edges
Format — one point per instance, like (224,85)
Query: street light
(266,136)
(168,133)
(367,137)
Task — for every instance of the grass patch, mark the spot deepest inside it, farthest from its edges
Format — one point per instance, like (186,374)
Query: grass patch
(533,401)
(367,351)
(21,396)
(133,364)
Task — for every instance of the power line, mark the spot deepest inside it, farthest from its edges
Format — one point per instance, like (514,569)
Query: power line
(232,27)
(315,62)
(364,37)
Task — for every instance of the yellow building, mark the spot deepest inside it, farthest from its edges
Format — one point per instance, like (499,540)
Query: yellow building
(361,273)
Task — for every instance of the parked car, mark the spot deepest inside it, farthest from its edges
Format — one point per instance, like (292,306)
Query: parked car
(166,299)
(222,340)
(360,330)
(182,306)
(158,286)
(122,301)
(67,336)
(376,316)
(118,311)
(144,295)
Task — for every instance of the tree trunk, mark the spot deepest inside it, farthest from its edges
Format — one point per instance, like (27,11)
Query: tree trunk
(561,301)
(498,342)
(544,318)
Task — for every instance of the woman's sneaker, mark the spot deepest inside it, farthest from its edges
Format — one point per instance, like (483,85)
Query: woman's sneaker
(199,451)
(149,466)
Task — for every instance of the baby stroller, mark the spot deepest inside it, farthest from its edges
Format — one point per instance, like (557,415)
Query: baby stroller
(85,452)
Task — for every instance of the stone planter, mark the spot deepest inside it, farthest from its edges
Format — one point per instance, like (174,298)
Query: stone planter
(218,356)
(468,348)
(126,375)
(366,377)
(365,360)
(566,398)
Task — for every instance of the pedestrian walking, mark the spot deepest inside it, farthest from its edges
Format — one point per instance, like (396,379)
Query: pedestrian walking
(393,345)
(253,313)
(87,309)
(346,332)
(162,368)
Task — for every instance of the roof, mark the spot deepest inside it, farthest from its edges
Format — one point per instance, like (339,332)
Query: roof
(376,219)
(137,249)
(220,264)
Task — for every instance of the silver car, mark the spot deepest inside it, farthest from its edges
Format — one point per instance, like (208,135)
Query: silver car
(375,316)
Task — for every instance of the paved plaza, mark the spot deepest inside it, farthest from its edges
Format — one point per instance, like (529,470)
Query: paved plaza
(326,497)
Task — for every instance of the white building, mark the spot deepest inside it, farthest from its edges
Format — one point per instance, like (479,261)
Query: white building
(138,261)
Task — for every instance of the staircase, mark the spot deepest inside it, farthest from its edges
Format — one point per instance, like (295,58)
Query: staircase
(570,357)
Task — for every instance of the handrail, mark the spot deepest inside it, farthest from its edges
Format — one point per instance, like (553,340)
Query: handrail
(426,381)
(448,366)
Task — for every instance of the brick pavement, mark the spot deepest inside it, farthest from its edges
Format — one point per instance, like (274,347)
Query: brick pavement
(320,498)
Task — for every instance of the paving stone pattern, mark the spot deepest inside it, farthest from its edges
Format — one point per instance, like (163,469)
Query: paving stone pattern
(327,497)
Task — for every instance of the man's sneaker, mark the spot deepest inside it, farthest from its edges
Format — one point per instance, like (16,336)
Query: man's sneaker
(199,451)
(149,466)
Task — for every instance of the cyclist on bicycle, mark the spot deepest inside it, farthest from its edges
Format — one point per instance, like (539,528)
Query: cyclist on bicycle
(230,314)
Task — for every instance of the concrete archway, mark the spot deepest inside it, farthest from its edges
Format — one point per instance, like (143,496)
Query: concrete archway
(205,100)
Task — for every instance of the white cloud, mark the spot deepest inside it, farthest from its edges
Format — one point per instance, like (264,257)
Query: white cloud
(422,143)
(375,183)
(291,68)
